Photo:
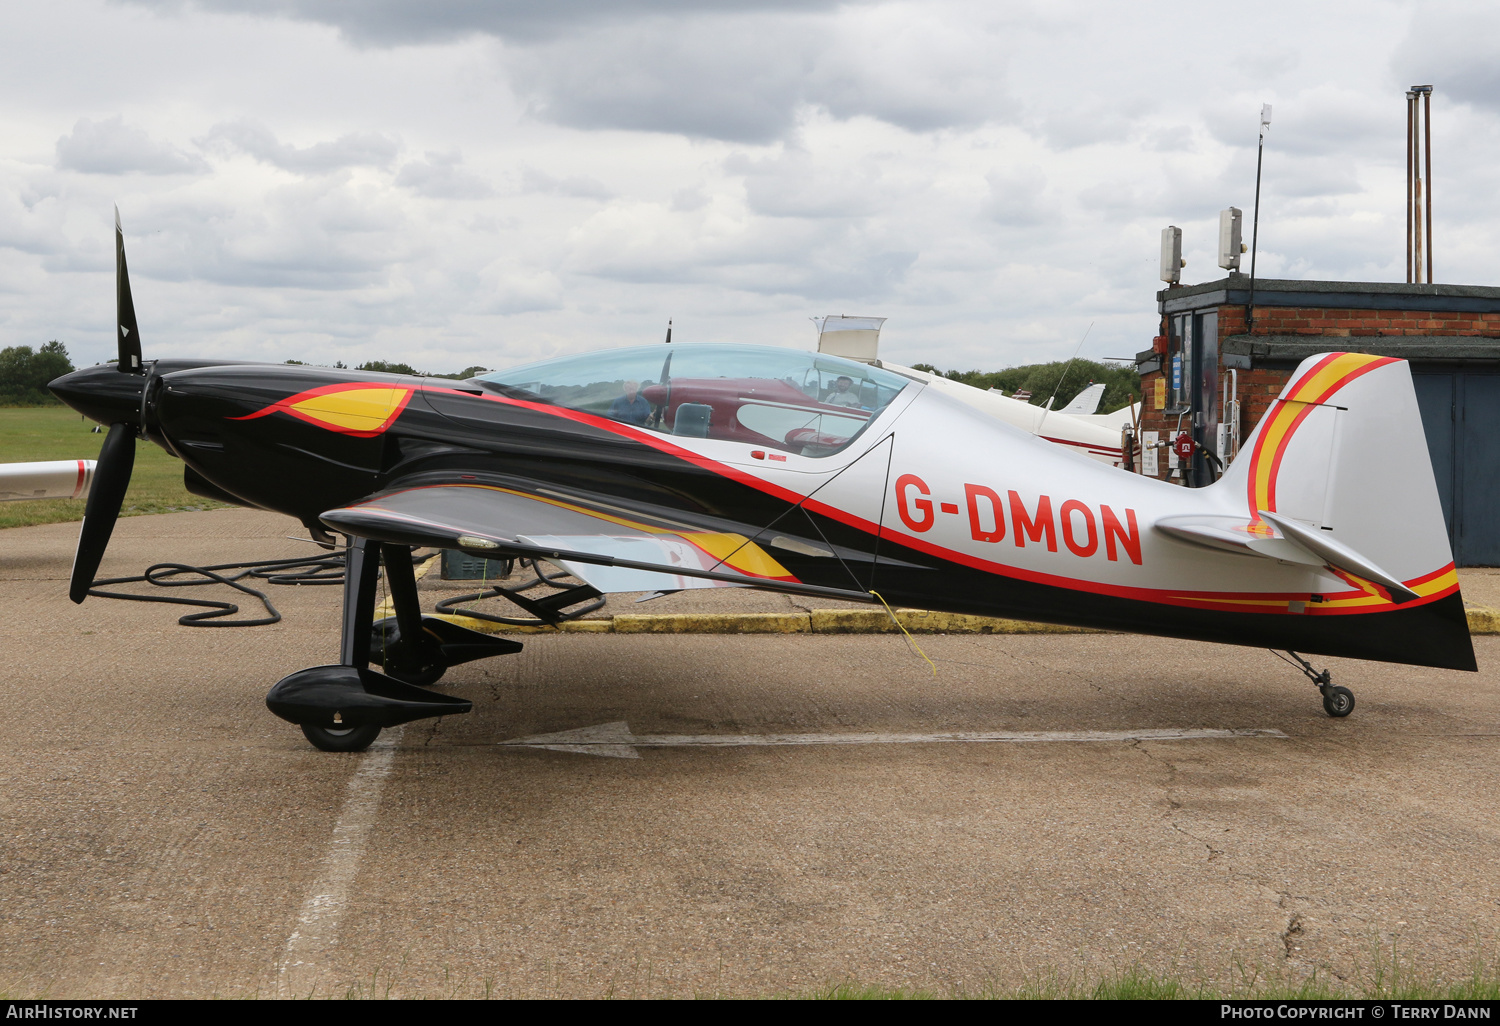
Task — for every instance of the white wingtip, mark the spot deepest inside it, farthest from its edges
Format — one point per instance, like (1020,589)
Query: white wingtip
(117,219)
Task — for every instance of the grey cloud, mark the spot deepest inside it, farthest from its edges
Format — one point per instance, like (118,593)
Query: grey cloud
(110,147)
(1316,123)
(578,187)
(404,22)
(440,177)
(738,70)
(793,185)
(1017,198)
(1314,178)
(1068,127)
(1452,46)
(811,260)
(1172,139)
(319,234)
(357,149)
(745,79)
(686,78)
(685,201)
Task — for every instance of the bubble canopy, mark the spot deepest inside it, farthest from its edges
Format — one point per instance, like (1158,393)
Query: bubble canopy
(781,399)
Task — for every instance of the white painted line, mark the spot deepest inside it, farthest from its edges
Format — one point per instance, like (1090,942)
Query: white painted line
(308,948)
(616,741)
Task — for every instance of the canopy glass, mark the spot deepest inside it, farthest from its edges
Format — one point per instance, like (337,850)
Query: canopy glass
(782,399)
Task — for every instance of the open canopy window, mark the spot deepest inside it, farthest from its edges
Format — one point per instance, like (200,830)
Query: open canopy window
(805,403)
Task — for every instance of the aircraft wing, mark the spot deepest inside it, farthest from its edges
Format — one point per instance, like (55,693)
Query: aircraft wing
(56,479)
(612,548)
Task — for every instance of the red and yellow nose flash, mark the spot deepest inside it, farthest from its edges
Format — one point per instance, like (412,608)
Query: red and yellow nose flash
(361,409)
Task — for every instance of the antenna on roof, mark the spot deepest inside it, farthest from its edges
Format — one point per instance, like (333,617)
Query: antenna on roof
(669,331)
(1260,149)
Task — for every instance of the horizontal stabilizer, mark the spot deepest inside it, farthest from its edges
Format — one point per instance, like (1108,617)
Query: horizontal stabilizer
(1278,537)
(1342,560)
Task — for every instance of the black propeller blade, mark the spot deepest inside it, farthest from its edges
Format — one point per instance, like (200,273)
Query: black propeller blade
(117,456)
(111,478)
(129,335)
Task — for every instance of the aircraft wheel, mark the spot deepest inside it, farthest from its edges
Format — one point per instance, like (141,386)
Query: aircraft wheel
(1338,702)
(340,739)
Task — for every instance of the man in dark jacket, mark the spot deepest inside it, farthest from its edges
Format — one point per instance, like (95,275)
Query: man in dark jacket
(630,408)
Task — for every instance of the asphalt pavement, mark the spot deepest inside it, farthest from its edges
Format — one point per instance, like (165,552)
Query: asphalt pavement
(163,835)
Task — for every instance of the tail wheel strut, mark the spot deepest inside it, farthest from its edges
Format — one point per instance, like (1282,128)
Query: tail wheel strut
(1338,702)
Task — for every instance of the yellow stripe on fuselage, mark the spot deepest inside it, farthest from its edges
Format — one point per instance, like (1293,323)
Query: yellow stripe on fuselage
(747,557)
(354,409)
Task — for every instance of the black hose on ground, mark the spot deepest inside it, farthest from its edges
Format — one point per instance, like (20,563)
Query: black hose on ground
(315,570)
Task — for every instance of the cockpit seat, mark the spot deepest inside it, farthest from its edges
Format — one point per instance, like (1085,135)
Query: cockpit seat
(692,420)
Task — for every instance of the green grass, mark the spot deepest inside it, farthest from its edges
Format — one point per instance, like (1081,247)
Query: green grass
(31,434)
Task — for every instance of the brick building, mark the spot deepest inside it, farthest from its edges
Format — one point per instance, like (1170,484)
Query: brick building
(1211,362)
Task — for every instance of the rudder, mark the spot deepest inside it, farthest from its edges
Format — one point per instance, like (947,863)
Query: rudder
(1342,450)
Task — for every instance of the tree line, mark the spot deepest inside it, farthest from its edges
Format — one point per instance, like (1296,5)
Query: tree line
(24,373)
(390,367)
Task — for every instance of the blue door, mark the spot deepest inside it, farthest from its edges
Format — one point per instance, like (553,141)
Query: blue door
(1436,397)
(1478,520)
(1461,417)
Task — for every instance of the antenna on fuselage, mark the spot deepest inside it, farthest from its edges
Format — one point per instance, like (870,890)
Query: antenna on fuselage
(669,331)
(1048,408)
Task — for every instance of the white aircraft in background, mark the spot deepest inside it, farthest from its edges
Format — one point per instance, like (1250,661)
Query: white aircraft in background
(54,479)
(1086,403)
(1096,435)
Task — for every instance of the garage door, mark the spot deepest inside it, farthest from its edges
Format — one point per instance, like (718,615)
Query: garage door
(1461,415)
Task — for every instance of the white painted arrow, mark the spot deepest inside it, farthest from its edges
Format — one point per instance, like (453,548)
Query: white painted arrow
(614,740)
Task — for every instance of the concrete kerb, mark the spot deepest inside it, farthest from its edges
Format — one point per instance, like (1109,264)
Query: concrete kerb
(1483,620)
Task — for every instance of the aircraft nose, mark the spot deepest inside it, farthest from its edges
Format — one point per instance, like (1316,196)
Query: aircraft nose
(102,393)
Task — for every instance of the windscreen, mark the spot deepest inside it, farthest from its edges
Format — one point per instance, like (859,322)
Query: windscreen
(805,403)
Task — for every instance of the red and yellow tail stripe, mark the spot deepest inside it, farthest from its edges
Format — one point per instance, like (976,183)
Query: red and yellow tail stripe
(1360,599)
(1314,388)
(363,409)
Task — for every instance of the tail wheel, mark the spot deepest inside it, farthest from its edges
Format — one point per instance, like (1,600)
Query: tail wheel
(340,739)
(1338,702)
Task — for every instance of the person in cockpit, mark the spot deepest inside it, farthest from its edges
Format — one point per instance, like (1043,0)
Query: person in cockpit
(632,407)
(843,393)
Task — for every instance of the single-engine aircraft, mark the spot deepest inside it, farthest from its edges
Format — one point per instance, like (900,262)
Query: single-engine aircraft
(678,466)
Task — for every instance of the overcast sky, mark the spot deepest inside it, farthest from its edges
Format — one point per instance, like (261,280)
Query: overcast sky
(459,182)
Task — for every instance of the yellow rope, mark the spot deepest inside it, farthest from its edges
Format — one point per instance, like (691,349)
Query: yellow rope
(909,639)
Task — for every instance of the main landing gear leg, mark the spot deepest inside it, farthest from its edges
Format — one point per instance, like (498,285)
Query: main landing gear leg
(404,650)
(360,578)
(343,707)
(1338,701)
